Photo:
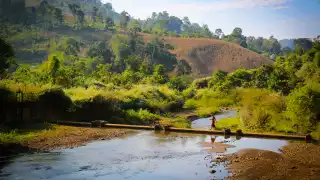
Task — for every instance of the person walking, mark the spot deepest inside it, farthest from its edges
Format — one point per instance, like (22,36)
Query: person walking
(213,123)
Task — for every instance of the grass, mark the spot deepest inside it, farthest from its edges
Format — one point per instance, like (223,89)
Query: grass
(141,115)
(207,101)
(14,137)
(231,123)
(26,133)
(177,122)
(316,134)
(207,111)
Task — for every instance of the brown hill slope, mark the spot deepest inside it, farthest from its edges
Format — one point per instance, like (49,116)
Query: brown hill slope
(208,55)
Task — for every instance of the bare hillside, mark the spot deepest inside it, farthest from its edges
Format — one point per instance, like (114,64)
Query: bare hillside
(208,55)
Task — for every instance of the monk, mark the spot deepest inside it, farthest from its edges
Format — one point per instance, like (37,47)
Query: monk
(213,122)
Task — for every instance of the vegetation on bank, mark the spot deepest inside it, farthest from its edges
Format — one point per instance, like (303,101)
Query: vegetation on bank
(271,98)
(123,79)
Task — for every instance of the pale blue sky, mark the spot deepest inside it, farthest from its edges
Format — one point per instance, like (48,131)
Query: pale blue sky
(281,18)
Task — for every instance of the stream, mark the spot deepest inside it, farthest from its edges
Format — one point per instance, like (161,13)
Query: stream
(205,123)
(143,155)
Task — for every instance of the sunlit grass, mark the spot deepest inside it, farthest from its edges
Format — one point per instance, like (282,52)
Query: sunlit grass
(14,137)
(231,123)
(176,122)
(207,111)
(26,88)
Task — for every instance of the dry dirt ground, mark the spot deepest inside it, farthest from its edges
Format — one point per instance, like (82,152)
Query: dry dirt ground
(68,137)
(296,162)
(207,55)
(60,137)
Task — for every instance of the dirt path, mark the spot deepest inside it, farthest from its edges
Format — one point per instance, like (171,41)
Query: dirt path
(297,161)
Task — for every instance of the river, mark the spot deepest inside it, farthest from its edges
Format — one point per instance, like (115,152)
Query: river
(205,123)
(143,155)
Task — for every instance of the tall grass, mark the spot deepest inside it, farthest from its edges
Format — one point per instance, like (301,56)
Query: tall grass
(14,137)
(207,101)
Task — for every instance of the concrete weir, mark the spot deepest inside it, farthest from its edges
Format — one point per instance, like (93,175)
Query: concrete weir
(103,124)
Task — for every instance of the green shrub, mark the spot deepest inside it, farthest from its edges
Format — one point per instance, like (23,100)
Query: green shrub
(181,123)
(231,123)
(207,111)
(142,116)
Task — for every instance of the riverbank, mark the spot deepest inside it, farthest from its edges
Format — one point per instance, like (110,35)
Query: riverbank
(297,161)
(45,137)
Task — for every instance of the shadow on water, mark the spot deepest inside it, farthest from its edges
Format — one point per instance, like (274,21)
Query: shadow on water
(145,155)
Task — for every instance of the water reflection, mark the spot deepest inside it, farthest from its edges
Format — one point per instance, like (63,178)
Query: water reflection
(156,155)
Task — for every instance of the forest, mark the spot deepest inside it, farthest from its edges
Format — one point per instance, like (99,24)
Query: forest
(124,79)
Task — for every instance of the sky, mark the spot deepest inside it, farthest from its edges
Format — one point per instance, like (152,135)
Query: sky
(280,18)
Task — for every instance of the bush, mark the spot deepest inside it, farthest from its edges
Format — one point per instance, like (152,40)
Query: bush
(141,116)
(181,123)
(261,109)
(207,111)
(229,123)
(303,106)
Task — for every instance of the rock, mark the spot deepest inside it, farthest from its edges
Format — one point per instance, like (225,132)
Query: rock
(157,127)
(227,132)
(308,138)
(48,168)
(294,167)
(213,171)
(239,132)
(192,117)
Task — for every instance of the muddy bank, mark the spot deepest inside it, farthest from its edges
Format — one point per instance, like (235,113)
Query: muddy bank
(297,161)
(61,137)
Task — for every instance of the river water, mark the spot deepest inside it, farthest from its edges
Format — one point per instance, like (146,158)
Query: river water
(205,123)
(143,155)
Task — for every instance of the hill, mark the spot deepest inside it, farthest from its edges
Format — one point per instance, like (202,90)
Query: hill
(208,55)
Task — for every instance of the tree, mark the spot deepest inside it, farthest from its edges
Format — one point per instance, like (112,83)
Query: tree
(237,32)
(134,26)
(303,106)
(108,6)
(217,79)
(109,23)
(53,66)
(77,13)
(275,45)
(133,63)
(286,51)
(103,72)
(180,83)
(304,43)
(124,19)
(261,76)
(182,68)
(6,55)
(94,14)
(101,49)
(58,15)
(71,46)
(160,74)
(205,32)
(218,32)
